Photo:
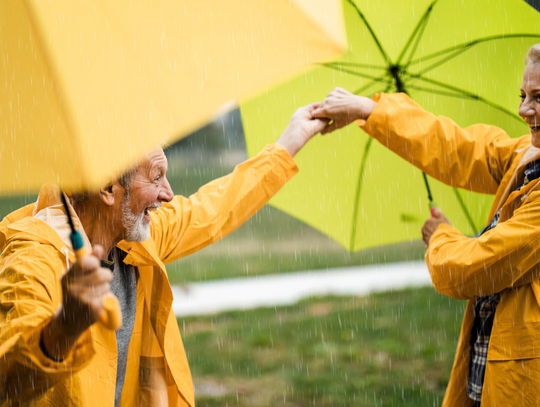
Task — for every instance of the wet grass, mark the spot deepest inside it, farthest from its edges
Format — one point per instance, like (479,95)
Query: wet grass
(386,349)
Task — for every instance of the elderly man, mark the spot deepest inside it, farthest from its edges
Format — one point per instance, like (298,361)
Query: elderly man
(52,352)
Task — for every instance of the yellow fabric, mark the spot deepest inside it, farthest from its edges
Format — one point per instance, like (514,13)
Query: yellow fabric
(484,159)
(82,79)
(34,257)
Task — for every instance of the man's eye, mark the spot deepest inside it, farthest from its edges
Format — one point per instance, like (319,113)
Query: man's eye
(522,97)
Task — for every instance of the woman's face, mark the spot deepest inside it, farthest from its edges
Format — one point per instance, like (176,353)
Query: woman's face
(529,107)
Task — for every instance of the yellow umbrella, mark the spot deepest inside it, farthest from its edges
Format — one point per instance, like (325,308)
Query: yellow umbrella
(88,86)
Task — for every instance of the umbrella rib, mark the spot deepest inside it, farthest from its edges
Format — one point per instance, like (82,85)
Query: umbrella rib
(357,65)
(362,75)
(471,44)
(357,195)
(417,42)
(420,27)
(361,90)
(377,42)
(468,94)
(442,61)
(465,210)
(384,90)
(439,92)
(359,186)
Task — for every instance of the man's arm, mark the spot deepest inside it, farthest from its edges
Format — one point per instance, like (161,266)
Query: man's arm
(34,357)
(475,158)
(186,225)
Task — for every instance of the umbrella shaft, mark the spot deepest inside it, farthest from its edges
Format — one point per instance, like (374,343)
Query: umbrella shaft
(427,187)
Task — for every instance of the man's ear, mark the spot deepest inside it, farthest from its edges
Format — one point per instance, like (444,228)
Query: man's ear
(108,193)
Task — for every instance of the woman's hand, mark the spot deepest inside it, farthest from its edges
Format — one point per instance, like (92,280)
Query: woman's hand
(432,224)
(343,108)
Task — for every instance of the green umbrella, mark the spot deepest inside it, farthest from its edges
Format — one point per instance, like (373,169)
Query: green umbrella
(463,60)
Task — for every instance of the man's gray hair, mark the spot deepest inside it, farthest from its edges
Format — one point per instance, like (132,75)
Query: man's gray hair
(125,180)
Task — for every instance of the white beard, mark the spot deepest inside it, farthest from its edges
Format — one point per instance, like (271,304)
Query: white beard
(136,227)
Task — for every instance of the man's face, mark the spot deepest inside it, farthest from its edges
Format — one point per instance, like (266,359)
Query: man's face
(529,108)
(147,190)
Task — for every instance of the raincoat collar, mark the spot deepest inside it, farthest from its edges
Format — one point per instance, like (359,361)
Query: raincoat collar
(145,255)
(514,175)
(25,211)
(44,221)
(140,254)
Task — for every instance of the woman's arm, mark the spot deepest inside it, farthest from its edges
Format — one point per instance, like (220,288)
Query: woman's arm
(474,158)
(506,256)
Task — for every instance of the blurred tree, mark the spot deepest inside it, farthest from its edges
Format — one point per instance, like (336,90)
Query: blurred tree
(534,3)
(223,133)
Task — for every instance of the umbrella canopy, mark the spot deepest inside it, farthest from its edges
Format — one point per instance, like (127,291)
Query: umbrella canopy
(88,87)
(463,60)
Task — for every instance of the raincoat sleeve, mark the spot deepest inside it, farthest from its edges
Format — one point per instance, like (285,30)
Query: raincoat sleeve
(186,225)
(475,158)
(29,295)
(504,257)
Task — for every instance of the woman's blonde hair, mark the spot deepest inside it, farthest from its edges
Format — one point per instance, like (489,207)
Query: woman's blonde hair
(533,56)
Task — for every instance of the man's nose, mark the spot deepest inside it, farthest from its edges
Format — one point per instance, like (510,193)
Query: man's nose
(165,194)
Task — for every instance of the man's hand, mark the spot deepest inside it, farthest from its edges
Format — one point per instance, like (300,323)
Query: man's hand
(432,224)
(84,286)
(343,108)
(301,129)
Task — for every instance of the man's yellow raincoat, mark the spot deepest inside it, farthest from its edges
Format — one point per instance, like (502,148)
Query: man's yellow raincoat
(35,253)
(503,260)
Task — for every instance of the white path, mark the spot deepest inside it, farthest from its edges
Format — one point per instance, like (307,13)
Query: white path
(281,289)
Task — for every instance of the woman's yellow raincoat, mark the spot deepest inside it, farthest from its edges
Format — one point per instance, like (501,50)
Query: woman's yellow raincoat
(503,260)
(35,253)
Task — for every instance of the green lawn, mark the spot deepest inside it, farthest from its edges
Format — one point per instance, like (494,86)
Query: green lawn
(386,349)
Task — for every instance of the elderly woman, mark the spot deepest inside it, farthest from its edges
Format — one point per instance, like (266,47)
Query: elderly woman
(498,356)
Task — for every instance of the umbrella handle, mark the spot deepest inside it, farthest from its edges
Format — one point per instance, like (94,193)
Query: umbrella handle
(432,206)
(111,316)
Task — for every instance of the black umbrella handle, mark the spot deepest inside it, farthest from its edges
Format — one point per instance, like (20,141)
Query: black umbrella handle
(432,204)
